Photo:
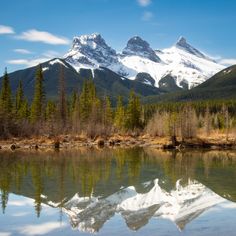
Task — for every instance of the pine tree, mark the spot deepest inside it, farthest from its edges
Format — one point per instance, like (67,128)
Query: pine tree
(23,112)
(19,98)
(87,100)
(72,103)
(39,97)
(108,115)
(50,111)
(207,119)
(62,96)
(5,95)
(133,112)
(119,120)
(84,102)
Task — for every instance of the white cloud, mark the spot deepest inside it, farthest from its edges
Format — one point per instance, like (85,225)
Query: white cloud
(6,29)
(228,62)
(41,229)
(5,233)
(22,51)
(147,15)
(34,35)
(28,62)
(47,55)
(144,3)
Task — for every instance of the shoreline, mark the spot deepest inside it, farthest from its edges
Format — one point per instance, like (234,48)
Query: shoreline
(116,141)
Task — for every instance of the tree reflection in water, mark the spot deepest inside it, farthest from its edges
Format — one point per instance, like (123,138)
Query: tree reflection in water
(54,178)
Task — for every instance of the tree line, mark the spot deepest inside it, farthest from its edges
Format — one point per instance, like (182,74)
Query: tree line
(86,113)
(80,113)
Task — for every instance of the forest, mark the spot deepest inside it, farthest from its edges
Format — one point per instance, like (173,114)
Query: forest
(86,113)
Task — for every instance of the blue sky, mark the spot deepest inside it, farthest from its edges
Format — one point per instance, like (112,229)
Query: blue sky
(34,30)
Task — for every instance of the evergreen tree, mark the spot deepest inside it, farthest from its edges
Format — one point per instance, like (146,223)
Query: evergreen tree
(87,100)
(50,111)
(133,116)
(108,115)
(5,95)
(62,96)
(39,97)
(23,112)
(19,99)
(72,103)
(119,120)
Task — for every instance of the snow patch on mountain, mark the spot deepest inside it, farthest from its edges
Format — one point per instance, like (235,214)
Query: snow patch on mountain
(182,61)
(57,61)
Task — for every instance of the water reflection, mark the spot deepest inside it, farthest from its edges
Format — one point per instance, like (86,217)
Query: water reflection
(92,186)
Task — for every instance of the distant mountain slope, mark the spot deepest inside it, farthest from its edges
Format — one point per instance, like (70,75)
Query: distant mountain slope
(220,86)
(106,81)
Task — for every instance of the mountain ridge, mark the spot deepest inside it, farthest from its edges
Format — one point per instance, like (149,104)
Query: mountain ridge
(186,64)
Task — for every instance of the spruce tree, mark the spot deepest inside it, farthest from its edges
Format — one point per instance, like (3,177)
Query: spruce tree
(119,120)
(5,95)
(50,110)
(39,97)
(19,100)
(62,96)
(72,103)
(84,102)
(108,115)
(133,116)
(23,112)
(87,100)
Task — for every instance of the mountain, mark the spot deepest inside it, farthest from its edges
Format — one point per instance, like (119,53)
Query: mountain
(138,47)
(220,86)
(149,72)
(185,64)
(92,52)
(106,81)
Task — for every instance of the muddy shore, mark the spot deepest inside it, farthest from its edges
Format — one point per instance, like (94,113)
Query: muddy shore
(73,142)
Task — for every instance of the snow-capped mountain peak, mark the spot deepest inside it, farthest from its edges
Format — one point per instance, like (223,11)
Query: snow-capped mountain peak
(184,45)
(91,51)
(182,42)
(92,41)
(187,66)
(136,46)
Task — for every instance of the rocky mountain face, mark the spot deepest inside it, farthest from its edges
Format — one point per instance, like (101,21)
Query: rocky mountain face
(182,44)
(185,64)
(139,47)
(91,50)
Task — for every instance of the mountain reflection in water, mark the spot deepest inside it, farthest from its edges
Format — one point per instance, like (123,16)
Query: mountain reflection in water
(93,186)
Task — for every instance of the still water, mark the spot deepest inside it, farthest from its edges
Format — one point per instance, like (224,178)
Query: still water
(118,192)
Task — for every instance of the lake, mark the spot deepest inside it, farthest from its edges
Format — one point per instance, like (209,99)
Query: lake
(138,191)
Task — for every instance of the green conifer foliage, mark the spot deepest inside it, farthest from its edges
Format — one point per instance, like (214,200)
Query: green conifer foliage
(133,116)
(19,96)
(62,96)
(87,100)
(5,96)
(108,114)
(50,110)
(23,112)
(39,97)
(119,120)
